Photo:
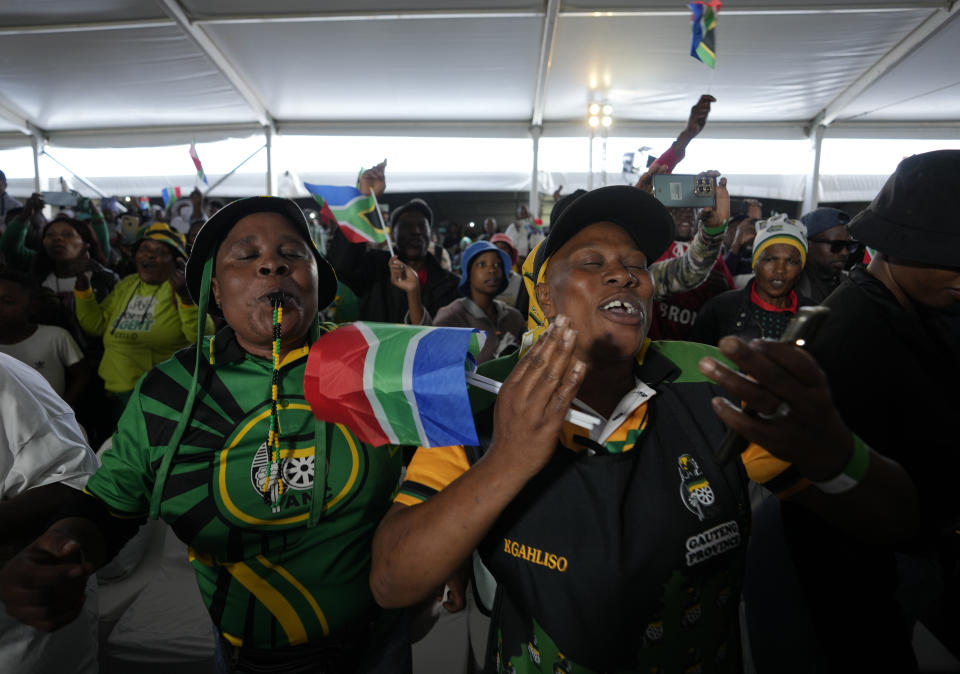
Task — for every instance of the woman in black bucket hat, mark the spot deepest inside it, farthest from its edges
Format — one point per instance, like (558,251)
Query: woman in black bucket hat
(277,507)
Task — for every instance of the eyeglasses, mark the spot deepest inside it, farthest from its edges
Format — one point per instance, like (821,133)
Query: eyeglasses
(837,246)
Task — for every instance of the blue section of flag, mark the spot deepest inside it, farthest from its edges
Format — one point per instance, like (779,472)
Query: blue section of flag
(438,387)
(336,196)
(698,9)
(165,195)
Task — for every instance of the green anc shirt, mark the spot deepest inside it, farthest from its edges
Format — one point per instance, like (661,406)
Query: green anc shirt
(267,579)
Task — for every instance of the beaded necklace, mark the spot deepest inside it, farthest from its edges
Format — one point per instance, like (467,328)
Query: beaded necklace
(272,493)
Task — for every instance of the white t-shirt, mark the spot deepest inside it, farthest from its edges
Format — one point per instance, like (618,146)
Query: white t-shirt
(525,238)
(41,443)
(50,351)
(62,285)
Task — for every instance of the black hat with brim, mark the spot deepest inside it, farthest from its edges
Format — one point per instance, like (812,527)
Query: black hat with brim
(914,217)
(215,230)
(644,218)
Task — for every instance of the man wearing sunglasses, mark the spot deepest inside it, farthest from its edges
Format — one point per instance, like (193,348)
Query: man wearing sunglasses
(829,249)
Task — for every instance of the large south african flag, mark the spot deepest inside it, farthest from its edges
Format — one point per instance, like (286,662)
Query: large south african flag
(356,213)
(397,384)
(704,44)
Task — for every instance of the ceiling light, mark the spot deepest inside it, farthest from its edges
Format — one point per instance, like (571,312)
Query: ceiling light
(594,109)
(608,109)
(594,121)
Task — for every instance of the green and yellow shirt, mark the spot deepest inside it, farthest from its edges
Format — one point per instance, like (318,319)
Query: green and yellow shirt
(267,579)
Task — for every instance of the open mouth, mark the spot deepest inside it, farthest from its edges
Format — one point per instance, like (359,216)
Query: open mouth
(622,307)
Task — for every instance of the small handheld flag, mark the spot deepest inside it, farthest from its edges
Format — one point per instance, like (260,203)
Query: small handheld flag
(169,195)
(356,213)
(398,384)
(196,162)
(704,44)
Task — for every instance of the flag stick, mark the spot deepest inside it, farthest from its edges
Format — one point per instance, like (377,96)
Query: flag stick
(376,205)
(581,419)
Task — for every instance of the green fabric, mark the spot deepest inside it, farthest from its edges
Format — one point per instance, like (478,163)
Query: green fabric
(265,577)
(141,325)
(13,246)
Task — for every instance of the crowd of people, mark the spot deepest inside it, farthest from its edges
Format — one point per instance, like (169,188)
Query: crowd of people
(180,339)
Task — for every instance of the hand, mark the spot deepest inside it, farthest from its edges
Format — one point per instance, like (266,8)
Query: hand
(373,179)
(196,198)
(754,209)
(80,267)
(33,206)
(645,182)
(746,233)
(534,399)
(43,586)
(798,422)
(178,282)
(85,205)
(716,216)
(403,276)
(457,586)
(699,114)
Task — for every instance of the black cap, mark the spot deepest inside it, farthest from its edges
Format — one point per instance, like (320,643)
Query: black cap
(418,205)
(914,216)
(644,218)
(215,230)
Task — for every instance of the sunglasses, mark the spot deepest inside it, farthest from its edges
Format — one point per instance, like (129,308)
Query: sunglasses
(838,246)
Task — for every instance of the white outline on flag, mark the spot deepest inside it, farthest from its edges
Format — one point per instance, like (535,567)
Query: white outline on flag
(407,383)
(373,344)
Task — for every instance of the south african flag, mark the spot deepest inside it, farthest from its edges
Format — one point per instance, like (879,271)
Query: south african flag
(704,44)
(356,213)
(396,384)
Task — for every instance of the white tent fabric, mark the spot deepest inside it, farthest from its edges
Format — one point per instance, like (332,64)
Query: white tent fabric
(128,73)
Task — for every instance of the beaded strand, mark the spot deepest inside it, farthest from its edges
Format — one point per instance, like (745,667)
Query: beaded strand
(272,493)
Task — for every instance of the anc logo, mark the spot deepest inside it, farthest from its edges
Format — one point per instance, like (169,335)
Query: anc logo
(297,471)
(241,467)
(695,492)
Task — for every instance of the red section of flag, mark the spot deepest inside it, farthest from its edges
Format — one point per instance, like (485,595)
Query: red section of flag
(334,387)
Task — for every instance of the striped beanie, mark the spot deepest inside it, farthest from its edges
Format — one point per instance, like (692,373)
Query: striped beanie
(780,229)
(162,232)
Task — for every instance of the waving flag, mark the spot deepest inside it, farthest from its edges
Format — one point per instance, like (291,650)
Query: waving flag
(704,45)
(356,213)
(169,194)
(196,162)
(398,384)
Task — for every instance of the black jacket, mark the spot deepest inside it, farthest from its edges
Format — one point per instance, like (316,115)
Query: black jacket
(893,375)
(366,272)
(730,313)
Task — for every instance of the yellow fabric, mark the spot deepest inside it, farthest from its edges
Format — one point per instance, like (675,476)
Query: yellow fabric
(433,468)
(772,241)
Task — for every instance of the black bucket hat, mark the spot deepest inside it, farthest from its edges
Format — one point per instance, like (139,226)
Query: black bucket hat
(914,216)
(215,230)
(644,218)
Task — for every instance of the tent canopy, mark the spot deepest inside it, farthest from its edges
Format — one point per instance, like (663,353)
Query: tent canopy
(129,73)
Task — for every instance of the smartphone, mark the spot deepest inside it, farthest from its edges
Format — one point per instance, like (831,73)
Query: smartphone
(800,330)
(678,190)
(64,199)
(129,228)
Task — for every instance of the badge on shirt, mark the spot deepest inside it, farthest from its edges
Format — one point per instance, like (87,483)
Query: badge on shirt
(695,491)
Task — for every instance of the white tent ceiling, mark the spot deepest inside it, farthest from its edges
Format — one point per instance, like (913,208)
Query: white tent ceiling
(87,73)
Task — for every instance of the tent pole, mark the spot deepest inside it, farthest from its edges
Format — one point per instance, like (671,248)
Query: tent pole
(811,193)
(38,146)
(271,182)
(233,170)
(100,193)
(534,206)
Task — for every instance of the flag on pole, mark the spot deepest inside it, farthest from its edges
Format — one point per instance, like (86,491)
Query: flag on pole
(355,212)
(196,162)
(169,195)
(704,44)
(397,384)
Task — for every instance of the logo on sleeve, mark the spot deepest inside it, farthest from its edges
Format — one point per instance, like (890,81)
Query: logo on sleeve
(695,492)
